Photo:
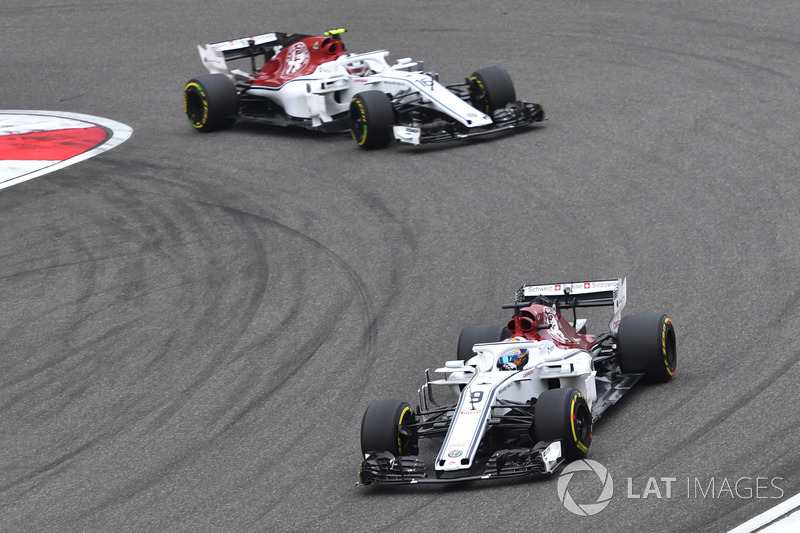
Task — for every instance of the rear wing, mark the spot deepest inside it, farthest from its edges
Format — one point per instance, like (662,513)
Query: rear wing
(215,55)
(580,294)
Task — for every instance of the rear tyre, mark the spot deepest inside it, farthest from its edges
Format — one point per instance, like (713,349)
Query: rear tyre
(563,414)
(371,119)
(385,428)
(491,88)
(476,335)
(646,345)
(210,102)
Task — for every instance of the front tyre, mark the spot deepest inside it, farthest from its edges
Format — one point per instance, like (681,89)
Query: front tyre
(490,89)
(371,119)
(210,102)
(563,414)
(646,345)
(385,428)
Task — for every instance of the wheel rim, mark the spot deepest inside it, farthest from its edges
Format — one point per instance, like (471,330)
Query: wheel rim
(404,436)
(669,347)
(358,123)
(479,98)
(194,107)
(582,426)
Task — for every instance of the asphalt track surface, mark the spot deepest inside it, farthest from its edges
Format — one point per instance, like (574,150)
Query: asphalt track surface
(192,325)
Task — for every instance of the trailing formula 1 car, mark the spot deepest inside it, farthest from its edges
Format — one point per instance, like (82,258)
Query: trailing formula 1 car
(310,82)
(528,392)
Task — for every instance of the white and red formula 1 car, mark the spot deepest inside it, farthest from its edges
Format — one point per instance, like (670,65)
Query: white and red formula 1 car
(311,82)
(527,393)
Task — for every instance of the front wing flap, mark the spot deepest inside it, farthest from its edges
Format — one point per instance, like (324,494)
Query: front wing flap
(386,469)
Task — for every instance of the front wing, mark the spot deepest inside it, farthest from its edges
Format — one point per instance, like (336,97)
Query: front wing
(384,468)
(512,116)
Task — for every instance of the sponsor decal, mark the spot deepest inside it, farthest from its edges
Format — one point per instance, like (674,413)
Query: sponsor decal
(581,286)
(297,58)
(605,284)
(425,83)
(455,453)
(555,330)
(471,412)
(35,143)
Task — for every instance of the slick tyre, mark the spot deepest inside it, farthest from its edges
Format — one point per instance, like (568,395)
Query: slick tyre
(210,102)
(563,414)
(491,88)
(385,428)
(371,119)
(646,345)
(477,334)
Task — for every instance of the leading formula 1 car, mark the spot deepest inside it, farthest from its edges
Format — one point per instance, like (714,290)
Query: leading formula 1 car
(311,82)
(527,392)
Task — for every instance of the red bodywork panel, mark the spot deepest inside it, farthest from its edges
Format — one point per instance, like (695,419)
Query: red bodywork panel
(529,319)
(299,59)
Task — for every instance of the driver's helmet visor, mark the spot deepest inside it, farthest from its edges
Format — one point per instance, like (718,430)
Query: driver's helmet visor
(518,359)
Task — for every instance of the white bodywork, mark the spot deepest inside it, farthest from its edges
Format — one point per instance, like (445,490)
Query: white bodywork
(485,384)
(327,92)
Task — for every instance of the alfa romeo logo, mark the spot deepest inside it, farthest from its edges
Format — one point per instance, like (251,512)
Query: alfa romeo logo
(297,57)
(585,509)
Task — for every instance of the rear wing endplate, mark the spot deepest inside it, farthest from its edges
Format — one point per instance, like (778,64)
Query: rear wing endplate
(570,295)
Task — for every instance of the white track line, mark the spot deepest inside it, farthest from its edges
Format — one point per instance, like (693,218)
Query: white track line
(789,524)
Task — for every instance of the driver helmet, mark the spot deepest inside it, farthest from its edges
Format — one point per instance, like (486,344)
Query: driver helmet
(357,68)
(515,359)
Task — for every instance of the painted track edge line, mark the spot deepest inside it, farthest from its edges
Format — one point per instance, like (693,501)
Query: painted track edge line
(769,516)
